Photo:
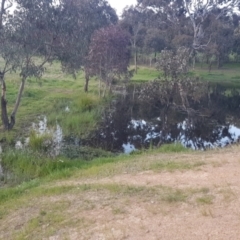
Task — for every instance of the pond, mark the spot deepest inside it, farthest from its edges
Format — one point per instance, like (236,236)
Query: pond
(144,118)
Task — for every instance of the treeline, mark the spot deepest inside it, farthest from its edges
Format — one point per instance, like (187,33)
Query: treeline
(87,35)
(36,32)
(209,28)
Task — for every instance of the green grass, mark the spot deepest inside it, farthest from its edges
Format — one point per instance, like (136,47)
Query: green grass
(9,193)
(49,207)
(39,175)
(173,166)
(171,148)
(49,96)
(33,163)
(26,165)
(228,75)
(145,74)
(207,199)
(56,92)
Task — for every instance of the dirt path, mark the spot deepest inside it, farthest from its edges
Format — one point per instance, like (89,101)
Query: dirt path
(200,203)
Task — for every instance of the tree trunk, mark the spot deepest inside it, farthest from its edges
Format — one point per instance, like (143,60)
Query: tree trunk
(20,92)
(207,59)
(4,114)
(183,96)
(210,66)
(155,57)
(194,62)
(1,13)
(219,65)
(150,61)
(86,82)
(135,60)
(99,87)
(8,125)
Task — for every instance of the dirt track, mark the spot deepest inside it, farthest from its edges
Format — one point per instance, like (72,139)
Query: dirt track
(200,203)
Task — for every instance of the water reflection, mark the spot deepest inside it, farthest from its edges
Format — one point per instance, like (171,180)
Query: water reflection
(55,136)
(139,120)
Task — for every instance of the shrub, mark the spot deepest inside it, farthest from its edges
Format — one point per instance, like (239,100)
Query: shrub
(40,142)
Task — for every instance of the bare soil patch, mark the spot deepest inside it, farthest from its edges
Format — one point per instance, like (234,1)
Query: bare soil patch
(200,203)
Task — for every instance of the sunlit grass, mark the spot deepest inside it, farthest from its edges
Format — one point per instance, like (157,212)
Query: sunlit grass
(145,74)
(228,75)
(50,96)
(62,100)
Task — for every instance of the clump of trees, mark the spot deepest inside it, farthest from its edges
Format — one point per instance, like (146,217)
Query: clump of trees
(82,34)
(109,56)
(208,28)
(35,32)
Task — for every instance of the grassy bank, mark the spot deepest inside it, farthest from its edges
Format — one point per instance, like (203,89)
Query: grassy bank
(151,186)
(62,198)
(57,96)
(36,170)
(62,100)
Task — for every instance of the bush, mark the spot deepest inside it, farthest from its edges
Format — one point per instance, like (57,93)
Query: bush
(40,142)
(24,165)
(172,148)
(86,153)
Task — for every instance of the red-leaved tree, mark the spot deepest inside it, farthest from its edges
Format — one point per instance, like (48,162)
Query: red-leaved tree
(109,56)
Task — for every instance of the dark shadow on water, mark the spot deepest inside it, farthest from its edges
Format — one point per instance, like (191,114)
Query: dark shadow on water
(154,114)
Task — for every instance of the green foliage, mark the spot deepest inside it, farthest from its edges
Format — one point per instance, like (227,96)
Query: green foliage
(165,148)
(77,115)
(40,142)
(174,65)
(174,196)
(14,192)
(86,102)
(173,165)
(145,74)
(172,148)
(23,165)
(86,153)
(207,199)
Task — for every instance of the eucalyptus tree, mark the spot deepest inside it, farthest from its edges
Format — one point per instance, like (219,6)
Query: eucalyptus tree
(196,11)
(134,21)
(23,36)
(109,55)
(236,43)
(154,42)
(199,12)
(39,31)
(77,20)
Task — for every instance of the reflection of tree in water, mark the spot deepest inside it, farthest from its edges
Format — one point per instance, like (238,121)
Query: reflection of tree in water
(176,108)
(201,121)
(113,128)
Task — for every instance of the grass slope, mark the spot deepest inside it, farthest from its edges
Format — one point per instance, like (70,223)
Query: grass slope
(104,195)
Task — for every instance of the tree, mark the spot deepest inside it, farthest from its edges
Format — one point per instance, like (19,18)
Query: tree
(174,65)
(196,11)
(77,20)
(22,38)
(154,42)
(236,43)
(222,37)
(48,31)
(109,55)
(133,20)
